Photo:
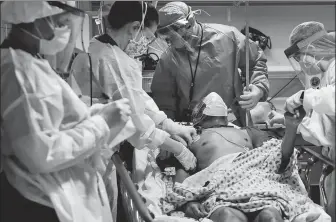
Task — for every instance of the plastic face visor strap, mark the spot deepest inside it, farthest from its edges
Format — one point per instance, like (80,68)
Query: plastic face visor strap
(295,48)
(67,8)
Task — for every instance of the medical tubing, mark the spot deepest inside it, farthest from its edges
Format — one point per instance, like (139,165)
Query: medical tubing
(281,89)
(193,75)
(82,34)
(91,73)
(138,202)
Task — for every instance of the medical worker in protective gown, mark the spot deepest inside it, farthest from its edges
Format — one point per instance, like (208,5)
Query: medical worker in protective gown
(204,58)
(131,28)
(119,75)
(51,142)
(312,55)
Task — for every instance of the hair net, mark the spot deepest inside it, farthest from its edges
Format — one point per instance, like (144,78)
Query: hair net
(172,13)
(305,30)
(16,12)
(211,105)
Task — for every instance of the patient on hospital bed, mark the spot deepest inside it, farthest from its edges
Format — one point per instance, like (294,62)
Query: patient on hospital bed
(242,174)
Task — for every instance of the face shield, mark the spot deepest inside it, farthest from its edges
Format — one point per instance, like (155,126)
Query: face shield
(73,19)
(177,35)
(180,34)
(302,57)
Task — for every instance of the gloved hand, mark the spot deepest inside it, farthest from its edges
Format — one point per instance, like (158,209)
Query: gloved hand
(186,158)
(187,133)
(294,102)
(294,120)
(251,97)
(179,139)
(96,108)
(275,117)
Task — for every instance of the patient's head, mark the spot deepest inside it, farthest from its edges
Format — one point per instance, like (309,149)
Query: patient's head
(210,111)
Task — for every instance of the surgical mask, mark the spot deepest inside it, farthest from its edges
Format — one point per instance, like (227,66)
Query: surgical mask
(310,66)
(137,48)
(58,43)
(311,74)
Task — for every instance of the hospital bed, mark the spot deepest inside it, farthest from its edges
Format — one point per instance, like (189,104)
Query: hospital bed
(131,167)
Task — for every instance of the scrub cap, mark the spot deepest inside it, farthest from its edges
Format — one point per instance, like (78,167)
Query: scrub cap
(173,12)
(16,12)
(211,105)
(304,31)
(215,105)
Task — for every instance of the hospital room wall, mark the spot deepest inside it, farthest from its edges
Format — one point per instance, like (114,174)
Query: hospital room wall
(276,22)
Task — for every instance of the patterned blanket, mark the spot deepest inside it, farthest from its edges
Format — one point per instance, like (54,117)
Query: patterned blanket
(249,183)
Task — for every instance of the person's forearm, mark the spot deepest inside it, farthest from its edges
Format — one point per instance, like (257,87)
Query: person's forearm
(287,147)
(172,146)
(288,142)
(181,175)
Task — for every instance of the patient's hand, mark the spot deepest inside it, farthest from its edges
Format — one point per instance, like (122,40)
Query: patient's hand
(275,117)
(195,210)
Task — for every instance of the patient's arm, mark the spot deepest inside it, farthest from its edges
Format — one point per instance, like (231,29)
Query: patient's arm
(287,146)
(181,175)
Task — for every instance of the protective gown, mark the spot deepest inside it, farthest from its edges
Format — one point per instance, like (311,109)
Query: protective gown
(222,53)
(52,142)
(318,127)
(120,76)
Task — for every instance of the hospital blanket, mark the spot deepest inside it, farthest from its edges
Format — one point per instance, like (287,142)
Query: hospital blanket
(250,183)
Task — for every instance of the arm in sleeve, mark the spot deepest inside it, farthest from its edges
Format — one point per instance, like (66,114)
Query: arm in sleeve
(164,88)
(320,100)
(79,77)
(118,85)
(40,144)
(152,110)
(257,62)
(152,137)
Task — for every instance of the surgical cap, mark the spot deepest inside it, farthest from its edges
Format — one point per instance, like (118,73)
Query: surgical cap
(304,31)
(16,12)
(214,105)
(172,12)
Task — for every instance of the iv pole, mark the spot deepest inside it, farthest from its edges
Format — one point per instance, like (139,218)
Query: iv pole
(247,57)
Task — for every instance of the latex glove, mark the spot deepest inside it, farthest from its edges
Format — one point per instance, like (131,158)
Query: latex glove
(251,97)
(195,210)
(187,133)
(294,120)
(294,102)
(179,139)
(96,108)
(186,158)
(275,117)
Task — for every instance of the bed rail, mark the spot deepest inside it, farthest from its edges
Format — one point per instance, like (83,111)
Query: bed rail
(328,167)
(132,193)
